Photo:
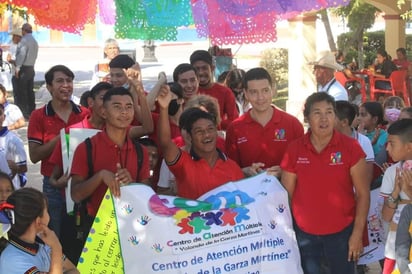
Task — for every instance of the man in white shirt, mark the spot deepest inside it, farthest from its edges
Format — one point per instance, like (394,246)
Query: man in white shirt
(324,70)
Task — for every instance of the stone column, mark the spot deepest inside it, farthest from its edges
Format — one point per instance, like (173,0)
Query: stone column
(302,50)
(394,33)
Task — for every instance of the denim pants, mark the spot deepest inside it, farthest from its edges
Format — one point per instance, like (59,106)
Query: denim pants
(331,249)
(56,205)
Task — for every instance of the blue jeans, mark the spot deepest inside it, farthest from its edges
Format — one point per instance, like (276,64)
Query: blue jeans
(331,249)
(56,205)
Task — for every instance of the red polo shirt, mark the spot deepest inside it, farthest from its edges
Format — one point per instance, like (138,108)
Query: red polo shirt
(323,201)
(106,155)
(249,142)
(45,124)
(227,103)
(195,177)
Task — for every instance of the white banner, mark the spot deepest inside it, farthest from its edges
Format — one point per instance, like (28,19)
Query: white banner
(240,227)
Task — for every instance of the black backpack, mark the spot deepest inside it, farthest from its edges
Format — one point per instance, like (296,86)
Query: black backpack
(82,220)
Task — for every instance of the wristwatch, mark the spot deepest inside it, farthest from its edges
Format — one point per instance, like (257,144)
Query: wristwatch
(393,200)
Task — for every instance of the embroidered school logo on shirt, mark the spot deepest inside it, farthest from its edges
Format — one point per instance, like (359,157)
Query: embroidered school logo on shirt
(280,134)
(336,158)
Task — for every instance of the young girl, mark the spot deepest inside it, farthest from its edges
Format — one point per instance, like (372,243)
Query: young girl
(392,109)
(6,187)
(32,246)
(371,119)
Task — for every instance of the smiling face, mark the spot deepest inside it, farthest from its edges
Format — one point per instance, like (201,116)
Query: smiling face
(259,93)
(321,119)
(118,111)
(189,83)
(204,71)
(203,136)
(118,77)
(61,88)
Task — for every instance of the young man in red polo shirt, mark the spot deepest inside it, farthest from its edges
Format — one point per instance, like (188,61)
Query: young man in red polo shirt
(258,139)
(204,167)
(114,155)
(44,131)
(202,61)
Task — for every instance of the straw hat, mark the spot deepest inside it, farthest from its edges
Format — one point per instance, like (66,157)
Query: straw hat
(16,32)
(327,60)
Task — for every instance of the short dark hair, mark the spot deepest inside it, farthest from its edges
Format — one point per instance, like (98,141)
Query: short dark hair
(407,110)
(375,109)
(191,115)
(29,203)
(99,87)
(403,129)
(176,88)
(147,142)
(115,91)
(382,52)
(83,98)
(122,61)
(256,74)
(5,176)
(201,55)
(316,98)
(401,50)
(49,76)
(182,68)
(345,110)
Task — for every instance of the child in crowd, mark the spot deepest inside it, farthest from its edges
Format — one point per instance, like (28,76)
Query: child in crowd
(32,247)
(14,117)
(371,121)
(392,108)
(395,188)
(13,148)
(406,113)
(6,187)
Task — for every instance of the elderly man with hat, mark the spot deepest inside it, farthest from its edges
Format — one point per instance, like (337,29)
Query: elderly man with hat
(324,70)
(26,56)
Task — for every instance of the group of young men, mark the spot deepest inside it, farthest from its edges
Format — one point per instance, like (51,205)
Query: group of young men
(255,142)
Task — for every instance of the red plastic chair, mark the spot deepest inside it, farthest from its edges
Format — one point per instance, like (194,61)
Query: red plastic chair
(397,81)
(340,76)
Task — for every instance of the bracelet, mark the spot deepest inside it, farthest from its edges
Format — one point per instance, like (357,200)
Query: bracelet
(393,200)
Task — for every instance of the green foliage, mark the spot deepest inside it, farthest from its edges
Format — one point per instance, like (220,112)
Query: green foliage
(372,41)
(360,15)
(275,61)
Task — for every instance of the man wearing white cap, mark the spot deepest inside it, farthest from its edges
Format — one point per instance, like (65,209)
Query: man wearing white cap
(324,70)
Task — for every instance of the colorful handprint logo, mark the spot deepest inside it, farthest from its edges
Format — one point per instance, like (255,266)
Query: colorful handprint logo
(336,157)
(280,134)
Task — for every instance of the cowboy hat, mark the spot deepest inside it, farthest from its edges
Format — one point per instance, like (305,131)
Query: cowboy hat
(327,60)
(16,32)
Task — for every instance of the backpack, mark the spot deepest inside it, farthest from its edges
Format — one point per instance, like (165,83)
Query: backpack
(82,219)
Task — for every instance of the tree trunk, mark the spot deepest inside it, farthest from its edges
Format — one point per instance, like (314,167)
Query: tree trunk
(325,19)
